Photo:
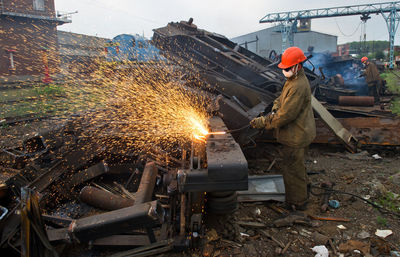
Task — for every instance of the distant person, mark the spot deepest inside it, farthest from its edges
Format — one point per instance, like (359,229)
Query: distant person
(372,78)
(292,120)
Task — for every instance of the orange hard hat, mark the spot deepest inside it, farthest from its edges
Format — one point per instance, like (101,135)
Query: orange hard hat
(292,56)
(364,59)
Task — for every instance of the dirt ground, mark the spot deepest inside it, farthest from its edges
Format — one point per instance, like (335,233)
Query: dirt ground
(359,174)
(247,232)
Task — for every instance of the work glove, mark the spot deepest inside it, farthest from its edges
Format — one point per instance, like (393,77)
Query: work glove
(258,123)
(268,119)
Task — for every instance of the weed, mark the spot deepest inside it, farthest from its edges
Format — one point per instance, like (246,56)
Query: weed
(381,221)
(4,125)
(396,106)
(49,90)
(393,84)
(390,201)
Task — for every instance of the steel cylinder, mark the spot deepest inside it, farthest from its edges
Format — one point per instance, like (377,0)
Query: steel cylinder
(147,183)
(103,200)
(356,100)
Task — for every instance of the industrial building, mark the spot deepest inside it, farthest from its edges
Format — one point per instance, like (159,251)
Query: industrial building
(28,38)
(264,41)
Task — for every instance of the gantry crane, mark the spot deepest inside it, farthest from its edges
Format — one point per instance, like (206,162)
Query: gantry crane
(288,20)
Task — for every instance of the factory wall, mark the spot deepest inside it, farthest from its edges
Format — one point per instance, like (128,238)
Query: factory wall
(269,39)
(320,41)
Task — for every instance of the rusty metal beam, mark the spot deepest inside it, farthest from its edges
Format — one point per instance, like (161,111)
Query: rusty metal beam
(147,183)
(349,141)
(103,200)
(116,222)
(367,130)
(122,240)
(57,220)
(345,100)
(85,175)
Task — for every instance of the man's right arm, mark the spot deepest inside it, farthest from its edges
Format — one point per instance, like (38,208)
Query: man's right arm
(277,104)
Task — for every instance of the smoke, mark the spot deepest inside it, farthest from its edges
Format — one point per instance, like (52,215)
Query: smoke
(349,69)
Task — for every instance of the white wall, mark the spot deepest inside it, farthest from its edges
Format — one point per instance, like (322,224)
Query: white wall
(269,40)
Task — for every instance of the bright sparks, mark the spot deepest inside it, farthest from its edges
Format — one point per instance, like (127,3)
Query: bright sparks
(147,105)
(201,132)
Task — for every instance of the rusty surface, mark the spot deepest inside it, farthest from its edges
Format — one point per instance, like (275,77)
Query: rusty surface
(116,222)
(368,131)
(103,200)
(356,100)
(147,183)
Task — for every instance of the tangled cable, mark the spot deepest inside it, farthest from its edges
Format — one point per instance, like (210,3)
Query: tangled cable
(330,190)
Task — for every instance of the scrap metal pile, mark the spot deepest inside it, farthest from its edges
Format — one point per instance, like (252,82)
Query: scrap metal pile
(73,189)
(75,185)
(249,84)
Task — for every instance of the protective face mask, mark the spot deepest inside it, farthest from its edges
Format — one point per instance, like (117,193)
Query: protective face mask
(291,72)
(287,74)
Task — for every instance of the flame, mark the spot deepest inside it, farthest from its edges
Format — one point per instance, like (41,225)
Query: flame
(201,132)
(198,127)
(217,133)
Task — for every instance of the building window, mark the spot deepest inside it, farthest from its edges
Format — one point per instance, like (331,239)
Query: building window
(38,5)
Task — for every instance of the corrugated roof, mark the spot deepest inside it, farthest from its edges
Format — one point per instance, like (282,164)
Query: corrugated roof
(69,38)
(74,44)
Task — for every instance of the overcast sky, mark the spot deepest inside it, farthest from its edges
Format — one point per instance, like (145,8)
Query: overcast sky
(108,18)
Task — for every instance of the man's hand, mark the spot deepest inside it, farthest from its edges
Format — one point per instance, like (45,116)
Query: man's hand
(263,122)
(268,125)
(275,108)
(258,123)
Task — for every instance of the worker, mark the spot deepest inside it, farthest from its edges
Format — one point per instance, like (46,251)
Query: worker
(372,78)
(292,120)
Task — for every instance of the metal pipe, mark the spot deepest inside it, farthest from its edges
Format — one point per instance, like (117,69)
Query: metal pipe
(356,100)
(183,218)
(116,222)
(103,200)
(183,158)
(147,183)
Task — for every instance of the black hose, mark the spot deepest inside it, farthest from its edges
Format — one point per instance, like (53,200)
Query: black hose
(329,191)
(239,129)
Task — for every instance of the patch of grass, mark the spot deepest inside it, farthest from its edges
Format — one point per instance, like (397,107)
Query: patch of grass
(390,200)
(381,221)
(48,100)
(393,84)
(15,94)
(4,126)
(392,80)
(49,90)
(396,106)
(391,177)
(52,99)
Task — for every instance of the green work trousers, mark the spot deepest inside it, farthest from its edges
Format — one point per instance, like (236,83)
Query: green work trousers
(294,175)
(373,90)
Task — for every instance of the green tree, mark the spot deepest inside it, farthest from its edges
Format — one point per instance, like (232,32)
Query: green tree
(379,55)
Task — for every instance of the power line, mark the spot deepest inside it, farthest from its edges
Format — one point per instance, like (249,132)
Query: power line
(352,34)
(119,11)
